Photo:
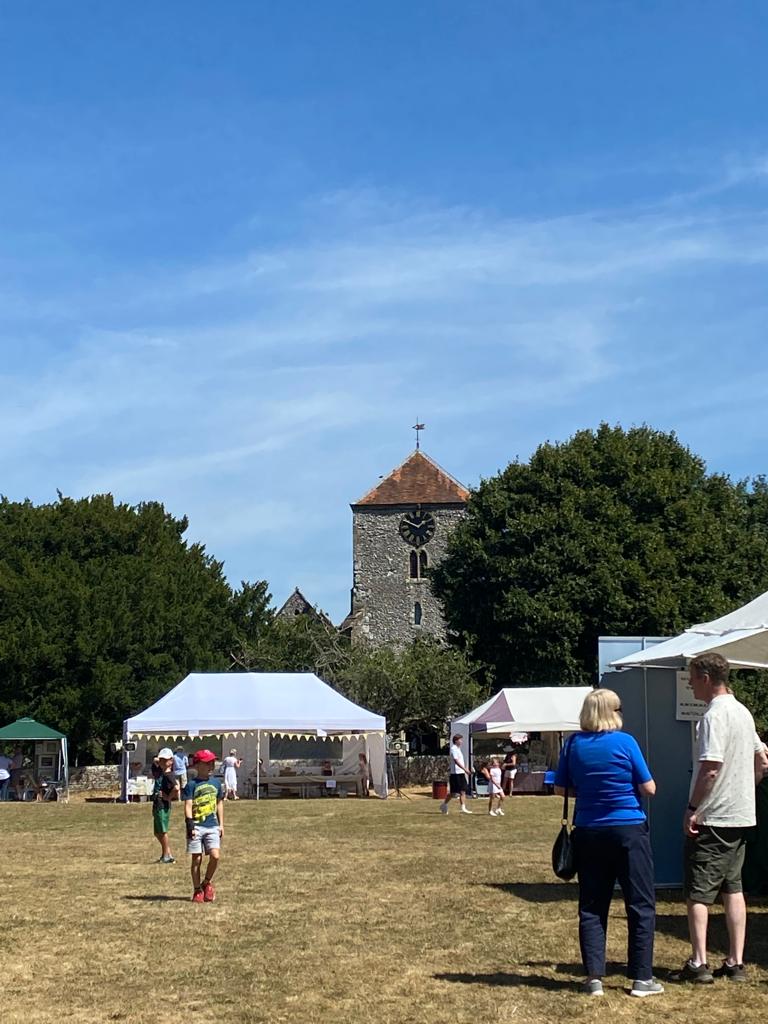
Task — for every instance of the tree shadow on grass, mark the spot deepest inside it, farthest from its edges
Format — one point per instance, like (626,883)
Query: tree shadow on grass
(536,892)
(502,979)
(159,898)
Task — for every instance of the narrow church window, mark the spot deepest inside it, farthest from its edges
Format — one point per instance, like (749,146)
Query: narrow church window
(423,564)
(414,566)
(417,614)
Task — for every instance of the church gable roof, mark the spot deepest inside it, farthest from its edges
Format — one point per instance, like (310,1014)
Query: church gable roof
(297,604)
(418,481)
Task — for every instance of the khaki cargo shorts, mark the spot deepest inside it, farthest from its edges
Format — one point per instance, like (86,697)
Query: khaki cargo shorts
(713,863)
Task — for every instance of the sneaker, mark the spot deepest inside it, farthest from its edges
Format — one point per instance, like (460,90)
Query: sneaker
(646,988)
(733,972)
(592,988)
(465,811)
(167,860)
(499,811)
(492,814)
(209,893)
(443,808)
(700,975)
(197,896)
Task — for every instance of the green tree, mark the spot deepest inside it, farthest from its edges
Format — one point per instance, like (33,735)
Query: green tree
(104,607)
(419,687)
(613,532)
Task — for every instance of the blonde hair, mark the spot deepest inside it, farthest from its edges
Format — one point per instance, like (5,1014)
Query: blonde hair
(600,712)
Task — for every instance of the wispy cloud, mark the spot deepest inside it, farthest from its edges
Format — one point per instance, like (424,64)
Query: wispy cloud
(261,392)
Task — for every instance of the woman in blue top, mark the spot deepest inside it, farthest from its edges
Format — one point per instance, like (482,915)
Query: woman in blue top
(607,772)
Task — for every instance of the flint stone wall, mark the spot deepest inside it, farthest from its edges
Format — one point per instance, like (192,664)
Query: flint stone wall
(94,777)
(384,595)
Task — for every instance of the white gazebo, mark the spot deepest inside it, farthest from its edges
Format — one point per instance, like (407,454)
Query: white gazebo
(521,710)
(256,705)
(661,712)
(741,637)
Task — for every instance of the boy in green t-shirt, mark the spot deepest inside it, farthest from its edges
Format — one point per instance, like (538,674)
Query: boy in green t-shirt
(166,789)
(204,814)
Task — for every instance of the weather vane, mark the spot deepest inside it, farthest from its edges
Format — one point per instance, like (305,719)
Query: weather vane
(418,427)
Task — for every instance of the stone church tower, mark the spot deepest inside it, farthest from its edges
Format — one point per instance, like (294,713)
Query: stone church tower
(400,532)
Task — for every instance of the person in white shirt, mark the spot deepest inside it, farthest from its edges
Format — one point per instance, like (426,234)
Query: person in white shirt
(730,761)
(5,776)
(458,780)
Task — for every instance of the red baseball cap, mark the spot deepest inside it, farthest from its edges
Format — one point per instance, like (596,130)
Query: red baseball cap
(203,755)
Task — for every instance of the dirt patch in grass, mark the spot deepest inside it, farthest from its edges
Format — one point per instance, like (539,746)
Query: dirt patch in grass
(329,912)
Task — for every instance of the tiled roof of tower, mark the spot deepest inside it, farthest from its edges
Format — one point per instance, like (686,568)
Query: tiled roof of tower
(418,480)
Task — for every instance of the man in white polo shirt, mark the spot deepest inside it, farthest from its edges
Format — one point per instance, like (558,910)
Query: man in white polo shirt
(458,780)
(730,759)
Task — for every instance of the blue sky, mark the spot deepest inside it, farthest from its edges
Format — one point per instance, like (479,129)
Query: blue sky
(244,245)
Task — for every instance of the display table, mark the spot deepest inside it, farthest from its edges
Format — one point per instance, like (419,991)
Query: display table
(303,783)
(529,782)
(141,787)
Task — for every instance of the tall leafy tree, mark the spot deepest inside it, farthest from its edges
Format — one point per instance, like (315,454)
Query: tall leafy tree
(418,688)
(612,532)
(104,607)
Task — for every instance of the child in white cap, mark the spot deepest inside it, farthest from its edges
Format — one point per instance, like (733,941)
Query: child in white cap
(166,789)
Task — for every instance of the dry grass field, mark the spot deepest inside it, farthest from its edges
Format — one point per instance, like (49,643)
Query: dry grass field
(329,912)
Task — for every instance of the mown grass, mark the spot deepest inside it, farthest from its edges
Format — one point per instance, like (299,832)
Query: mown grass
(329,911)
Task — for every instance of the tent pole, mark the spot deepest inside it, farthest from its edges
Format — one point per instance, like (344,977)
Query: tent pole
(258,763)
(471,765)
(126,770)
(65,767)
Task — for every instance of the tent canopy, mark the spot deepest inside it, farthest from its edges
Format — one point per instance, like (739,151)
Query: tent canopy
(29,729)
(221,703)
(528,709)
(206,703)
(741,637)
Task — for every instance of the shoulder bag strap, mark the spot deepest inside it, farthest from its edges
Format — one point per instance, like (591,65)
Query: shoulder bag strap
(568,745)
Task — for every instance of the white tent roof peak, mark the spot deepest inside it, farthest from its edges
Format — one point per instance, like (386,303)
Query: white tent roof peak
(207,703)
(741,637)
(528,709)
(751,616)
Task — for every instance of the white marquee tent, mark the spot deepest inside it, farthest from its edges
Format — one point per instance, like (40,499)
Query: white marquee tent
(527,709)
(256,704)
(549,709)
(741,637)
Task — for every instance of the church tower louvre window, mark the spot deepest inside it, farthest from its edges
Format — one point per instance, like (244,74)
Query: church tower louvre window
(400,532)
(418,565)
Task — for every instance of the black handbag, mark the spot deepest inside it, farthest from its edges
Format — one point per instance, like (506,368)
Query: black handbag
(563,854)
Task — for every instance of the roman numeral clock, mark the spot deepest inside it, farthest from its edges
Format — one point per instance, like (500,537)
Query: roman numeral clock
(417,528)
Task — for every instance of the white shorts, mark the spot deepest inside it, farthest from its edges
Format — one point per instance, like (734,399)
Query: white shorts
(204,839)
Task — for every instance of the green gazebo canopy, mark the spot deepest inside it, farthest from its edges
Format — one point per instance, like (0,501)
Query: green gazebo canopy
(29,729)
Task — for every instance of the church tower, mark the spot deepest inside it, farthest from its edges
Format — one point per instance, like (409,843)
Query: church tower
(400,531)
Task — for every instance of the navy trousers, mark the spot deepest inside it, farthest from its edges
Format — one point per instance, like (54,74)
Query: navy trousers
(604,856)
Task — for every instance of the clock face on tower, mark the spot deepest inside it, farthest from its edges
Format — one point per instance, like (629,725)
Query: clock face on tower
(417,528)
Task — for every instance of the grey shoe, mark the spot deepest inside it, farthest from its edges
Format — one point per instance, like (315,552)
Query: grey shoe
(700,975)
(733,972)
(646,988)
(592,988)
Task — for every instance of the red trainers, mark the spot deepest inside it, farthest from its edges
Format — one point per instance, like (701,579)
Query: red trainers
(197,896)
(209,893)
